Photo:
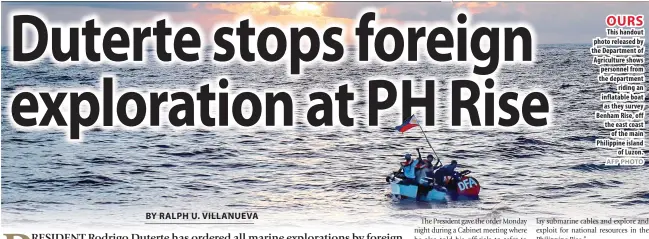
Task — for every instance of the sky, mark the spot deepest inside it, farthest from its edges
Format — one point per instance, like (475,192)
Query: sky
(553,22)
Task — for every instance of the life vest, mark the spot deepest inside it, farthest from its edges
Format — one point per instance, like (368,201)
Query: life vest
(408,169)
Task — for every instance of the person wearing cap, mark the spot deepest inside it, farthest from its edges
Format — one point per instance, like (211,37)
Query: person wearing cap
(409,168)
(444,171)
(426,170)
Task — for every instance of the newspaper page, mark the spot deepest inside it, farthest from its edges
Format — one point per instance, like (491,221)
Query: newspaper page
(323,120)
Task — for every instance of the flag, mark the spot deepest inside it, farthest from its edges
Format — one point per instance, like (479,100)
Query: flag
(408,124)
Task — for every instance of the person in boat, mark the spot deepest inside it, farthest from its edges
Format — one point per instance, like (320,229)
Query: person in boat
(409,167)
(426,175)
(421,164)
(444,171)
(425,170)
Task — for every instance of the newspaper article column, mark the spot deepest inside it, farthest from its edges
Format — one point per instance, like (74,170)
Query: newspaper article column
(620,57)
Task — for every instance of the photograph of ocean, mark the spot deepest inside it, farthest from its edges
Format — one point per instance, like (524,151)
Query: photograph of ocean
(306,174)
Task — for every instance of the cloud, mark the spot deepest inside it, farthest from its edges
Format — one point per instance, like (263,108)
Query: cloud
(266,8)
(476,7)
(348,9)
(561,22)
(553,22)
(127,6)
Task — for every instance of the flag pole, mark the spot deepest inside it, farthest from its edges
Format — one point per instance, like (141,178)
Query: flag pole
(426,137)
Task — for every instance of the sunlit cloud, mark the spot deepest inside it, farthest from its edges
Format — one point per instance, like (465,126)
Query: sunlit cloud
(306,8)
(314,9)
(282,14)
(477,7)
(547,18)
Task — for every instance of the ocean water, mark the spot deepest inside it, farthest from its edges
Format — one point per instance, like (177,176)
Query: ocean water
(307,175)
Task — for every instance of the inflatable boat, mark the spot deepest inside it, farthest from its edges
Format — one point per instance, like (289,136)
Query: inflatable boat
(458,187)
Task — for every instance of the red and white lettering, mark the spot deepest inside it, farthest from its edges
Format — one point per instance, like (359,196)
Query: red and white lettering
(468,186)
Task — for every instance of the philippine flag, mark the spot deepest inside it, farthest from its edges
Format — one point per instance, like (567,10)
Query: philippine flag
(408,124)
